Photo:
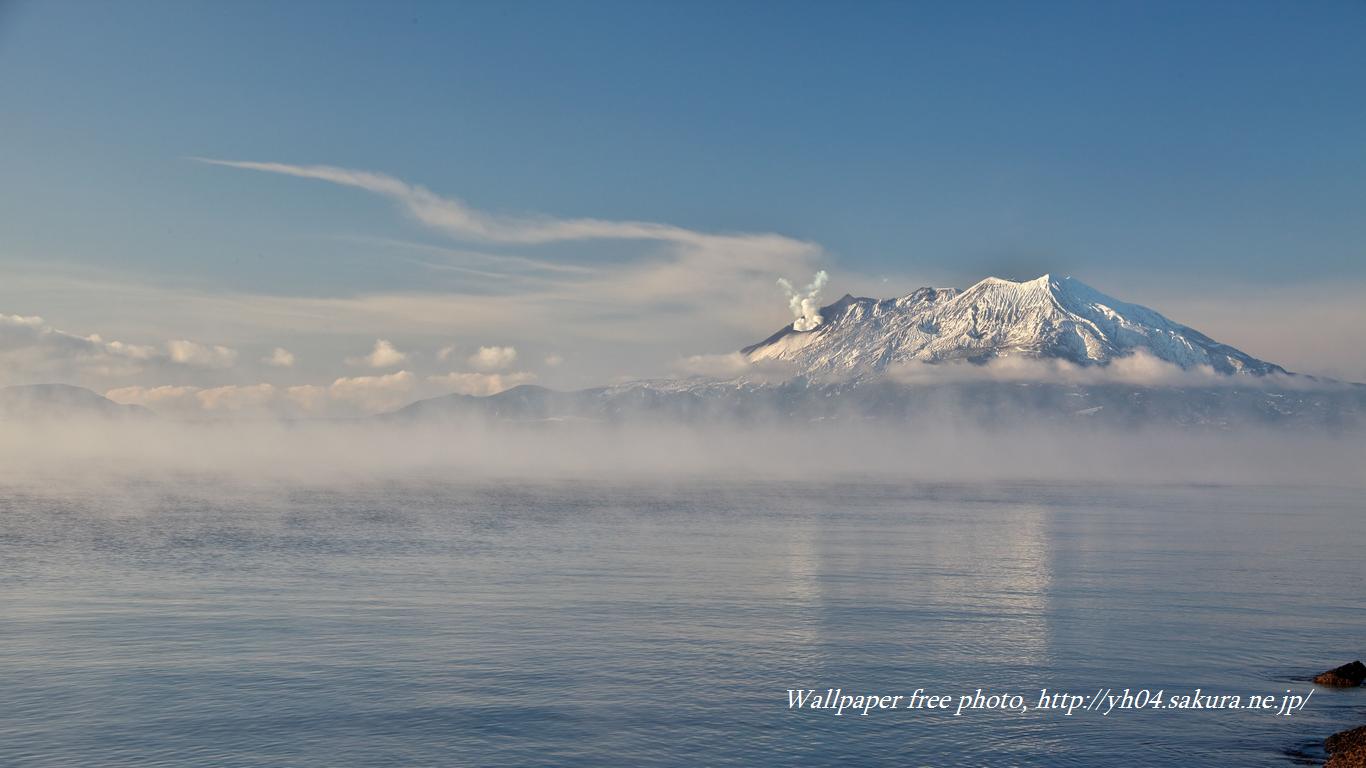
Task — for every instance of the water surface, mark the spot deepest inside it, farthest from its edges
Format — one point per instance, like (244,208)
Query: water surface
(435,623)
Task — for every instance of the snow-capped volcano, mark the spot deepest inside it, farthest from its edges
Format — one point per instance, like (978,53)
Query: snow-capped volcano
(1047,317)
(832,371)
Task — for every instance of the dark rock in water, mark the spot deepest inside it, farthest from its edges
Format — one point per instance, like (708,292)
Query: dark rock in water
(1345,676)
(1345,740)
(1354,758)
(1347,749)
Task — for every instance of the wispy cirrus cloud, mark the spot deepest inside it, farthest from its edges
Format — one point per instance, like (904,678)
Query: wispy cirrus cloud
(675,289)
(456,217)
(497,265)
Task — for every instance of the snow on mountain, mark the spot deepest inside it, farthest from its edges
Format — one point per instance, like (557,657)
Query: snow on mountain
(831,372)
(1060,318)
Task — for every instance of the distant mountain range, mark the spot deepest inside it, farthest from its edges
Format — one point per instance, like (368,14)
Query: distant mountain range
(61,401)
(883,401)
(857,364)
(1052,348)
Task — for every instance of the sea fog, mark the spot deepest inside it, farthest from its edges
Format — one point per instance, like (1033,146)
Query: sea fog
(73,452)
(570,594)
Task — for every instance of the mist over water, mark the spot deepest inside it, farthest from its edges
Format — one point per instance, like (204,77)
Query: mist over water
(86,453)
(570,594)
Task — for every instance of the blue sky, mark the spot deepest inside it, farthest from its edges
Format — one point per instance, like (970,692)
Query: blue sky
(1193,157)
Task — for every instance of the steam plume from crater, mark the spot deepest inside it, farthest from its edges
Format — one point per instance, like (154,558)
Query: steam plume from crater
(806,303)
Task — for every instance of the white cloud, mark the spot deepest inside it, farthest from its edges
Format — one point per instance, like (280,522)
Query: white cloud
(31,338)
(678,288)
(187,400)
(308,397)
(384,355)
(31,348)
(279,358)
(347,395)
(480,383)
(198,355)
(373,393)
(21,321)
(731,366)
(458,219)
(445,353)
(1141,368)
(493,358)
(178,397)
(132,351)
(235,397)
(554,361)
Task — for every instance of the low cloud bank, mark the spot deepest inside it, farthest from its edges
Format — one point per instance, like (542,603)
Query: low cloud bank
(1141,368)
(732,366)
(342,452)
(480,384)
(29,345)
(346,396)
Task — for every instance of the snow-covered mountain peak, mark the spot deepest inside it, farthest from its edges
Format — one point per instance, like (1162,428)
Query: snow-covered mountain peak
(1047,317)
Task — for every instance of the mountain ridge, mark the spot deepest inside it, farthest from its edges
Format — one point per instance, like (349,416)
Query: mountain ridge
(1094,356)
(855,365)
(59,401)
(1048,317)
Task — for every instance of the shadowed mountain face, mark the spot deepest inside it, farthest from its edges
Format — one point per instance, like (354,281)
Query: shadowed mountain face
(1057,318)
(61,401)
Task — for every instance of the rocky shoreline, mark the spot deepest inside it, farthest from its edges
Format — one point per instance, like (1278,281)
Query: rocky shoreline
(1346,749)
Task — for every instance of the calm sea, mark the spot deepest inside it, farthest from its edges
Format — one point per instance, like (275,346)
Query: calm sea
(430,623)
